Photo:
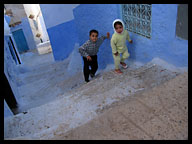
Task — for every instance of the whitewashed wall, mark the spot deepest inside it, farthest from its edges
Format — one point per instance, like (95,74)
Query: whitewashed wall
(60,13)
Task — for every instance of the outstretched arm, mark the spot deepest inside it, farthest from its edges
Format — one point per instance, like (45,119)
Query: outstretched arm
(128,38)
(102,38)
(108,35)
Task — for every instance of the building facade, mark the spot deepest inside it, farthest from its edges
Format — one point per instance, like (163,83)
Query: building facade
(68,24)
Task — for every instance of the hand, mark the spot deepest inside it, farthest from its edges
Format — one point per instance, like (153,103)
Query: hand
(89,58)
(108,35)
(116,54)
(130,41)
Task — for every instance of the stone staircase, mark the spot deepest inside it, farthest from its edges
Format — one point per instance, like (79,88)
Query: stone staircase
(43,84)
(84,102)
(40,79)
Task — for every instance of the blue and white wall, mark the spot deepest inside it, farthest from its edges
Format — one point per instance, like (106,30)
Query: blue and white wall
(10,71)
(163,42)
(68,24)
(61,28)
(37,23)
(7,111)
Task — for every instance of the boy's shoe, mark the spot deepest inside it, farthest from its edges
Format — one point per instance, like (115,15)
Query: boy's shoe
(123,65)
(118,71)
(92,75)
(86,81)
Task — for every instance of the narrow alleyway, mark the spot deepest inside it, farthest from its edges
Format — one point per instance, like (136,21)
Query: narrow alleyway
(44,71)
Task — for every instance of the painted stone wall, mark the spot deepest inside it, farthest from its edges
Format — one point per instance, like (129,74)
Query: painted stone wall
(163,43)
(7,111)
(37,23)
(167,45)
(6,26)
(28,33)
(59,21)
(41,25)
(62,38)
(11,73)
(55,14)
(33,9)
(66,29)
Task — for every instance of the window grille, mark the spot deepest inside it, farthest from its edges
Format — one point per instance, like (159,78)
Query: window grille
(137,18)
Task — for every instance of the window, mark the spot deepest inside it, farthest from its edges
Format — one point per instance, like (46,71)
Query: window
(137,18)
(182,21)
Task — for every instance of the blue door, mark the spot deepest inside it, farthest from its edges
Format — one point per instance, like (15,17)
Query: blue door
(20,41)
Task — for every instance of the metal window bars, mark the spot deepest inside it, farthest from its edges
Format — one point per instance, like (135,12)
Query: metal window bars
(137,18)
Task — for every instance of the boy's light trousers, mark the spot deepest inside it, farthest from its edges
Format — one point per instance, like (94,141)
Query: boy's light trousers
(119,58)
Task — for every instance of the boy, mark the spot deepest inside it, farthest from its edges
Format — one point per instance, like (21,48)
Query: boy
(118,45)
(89,52)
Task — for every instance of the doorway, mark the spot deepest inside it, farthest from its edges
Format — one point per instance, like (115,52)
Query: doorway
(20,41)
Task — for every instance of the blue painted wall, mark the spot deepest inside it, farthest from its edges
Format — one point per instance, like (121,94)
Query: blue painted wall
(28,33)
(62,38)
(61,28)
(163,42)
(7,18)
(99,17)
(167,45)
(10,47)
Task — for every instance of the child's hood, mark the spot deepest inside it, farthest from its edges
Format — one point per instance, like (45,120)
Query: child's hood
(117,21)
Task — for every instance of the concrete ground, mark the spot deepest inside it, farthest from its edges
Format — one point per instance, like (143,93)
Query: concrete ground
(157,114)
